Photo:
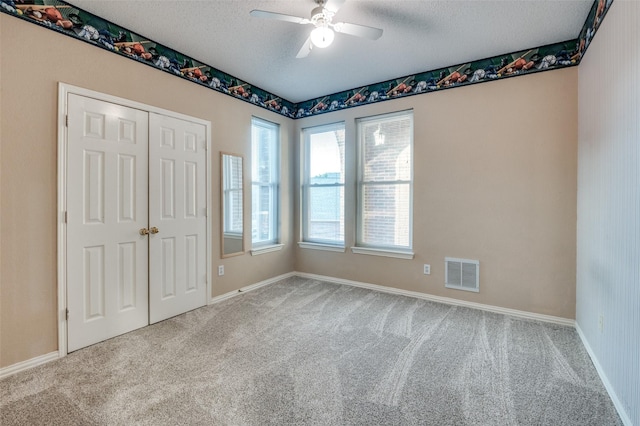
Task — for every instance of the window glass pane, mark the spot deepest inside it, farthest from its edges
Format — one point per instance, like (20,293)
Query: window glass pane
(262,214)
(326,157)
(386,216)
(263,168)
(323,194)
(265,182)
(383,142)
(385,181)
(326,213)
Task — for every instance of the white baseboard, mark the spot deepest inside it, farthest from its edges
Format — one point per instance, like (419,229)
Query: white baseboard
(255,286)
(26,365)
(446,300)
(605,380)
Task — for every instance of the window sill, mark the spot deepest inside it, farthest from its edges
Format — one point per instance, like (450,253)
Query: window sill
(317,246)
(382,252)
(456,287)
(266,249)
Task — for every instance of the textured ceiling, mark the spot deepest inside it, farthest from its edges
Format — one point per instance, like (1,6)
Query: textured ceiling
(418,36)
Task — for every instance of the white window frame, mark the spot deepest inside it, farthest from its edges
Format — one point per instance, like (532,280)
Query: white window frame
(307,242)
(395,251)
(265,246)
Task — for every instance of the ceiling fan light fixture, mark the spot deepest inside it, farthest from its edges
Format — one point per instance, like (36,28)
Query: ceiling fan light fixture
(322,36)
(324,29)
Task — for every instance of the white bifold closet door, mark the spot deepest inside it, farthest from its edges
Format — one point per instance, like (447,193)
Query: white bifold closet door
(130,171)
(177,207)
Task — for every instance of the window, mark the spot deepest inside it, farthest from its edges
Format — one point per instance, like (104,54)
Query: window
(385,182)
(265,182)
(323,185)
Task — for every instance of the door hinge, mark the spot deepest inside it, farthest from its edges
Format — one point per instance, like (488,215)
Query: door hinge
(66,217)
(67,314)
(66,120)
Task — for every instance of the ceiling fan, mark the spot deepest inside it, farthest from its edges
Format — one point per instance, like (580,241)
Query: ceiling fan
(321,18)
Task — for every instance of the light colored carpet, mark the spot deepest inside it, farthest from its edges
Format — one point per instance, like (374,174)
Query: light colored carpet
(308,352)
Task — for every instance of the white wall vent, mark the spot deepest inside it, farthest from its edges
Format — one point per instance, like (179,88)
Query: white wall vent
(462,274)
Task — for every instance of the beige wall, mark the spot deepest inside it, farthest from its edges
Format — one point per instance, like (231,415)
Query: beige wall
(494,180)
(34,60)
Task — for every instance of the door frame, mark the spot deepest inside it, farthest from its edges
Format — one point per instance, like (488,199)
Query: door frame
(64,90)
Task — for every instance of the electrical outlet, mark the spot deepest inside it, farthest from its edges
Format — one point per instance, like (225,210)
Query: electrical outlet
(427,269)
(601,323)
(220,270)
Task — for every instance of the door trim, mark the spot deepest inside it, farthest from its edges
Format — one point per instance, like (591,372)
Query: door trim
(64,90)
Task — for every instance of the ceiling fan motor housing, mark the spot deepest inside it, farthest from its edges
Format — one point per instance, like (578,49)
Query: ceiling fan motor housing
(321,16)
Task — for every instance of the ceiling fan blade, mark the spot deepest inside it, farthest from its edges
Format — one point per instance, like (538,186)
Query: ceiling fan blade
(278,16)
(333,5)
(358,30)
(306,48)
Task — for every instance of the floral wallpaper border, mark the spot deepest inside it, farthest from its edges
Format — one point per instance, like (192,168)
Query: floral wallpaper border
(554,56)
(70,20)
(67,19)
